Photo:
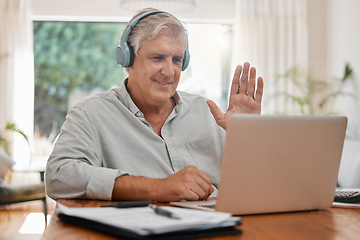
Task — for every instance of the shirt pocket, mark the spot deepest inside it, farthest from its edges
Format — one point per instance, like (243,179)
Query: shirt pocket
(204,153)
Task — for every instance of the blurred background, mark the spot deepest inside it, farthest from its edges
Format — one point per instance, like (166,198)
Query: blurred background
(54,53)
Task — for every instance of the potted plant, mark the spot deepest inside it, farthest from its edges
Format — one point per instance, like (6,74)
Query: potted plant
(6,162)
(313,96)
(3,142)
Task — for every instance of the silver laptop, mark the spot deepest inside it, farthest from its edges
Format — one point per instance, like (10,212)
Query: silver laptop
(278,164)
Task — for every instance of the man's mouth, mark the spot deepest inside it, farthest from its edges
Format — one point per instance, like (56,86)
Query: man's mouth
(163,83)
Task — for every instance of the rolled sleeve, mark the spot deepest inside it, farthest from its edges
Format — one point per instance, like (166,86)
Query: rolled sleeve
(101,183)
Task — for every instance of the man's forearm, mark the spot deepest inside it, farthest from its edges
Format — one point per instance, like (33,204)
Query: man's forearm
(189,184)
(135,188)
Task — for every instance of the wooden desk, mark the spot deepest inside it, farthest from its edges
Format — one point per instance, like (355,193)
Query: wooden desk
(334,223)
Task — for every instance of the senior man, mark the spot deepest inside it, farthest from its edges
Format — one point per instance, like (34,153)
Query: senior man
(145,140)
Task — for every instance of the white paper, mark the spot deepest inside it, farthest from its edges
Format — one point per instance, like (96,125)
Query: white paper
(144,221)
(346,205)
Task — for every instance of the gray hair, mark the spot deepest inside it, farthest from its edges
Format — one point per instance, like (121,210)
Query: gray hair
(150,28)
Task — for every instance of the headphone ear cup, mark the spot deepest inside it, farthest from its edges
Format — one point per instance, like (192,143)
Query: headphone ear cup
(123,57)
(131,56)
(118,56)
(186,60)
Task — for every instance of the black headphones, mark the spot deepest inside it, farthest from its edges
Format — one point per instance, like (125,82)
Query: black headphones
(125,52)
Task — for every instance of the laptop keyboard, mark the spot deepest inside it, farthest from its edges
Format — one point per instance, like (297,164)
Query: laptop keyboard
(347,196)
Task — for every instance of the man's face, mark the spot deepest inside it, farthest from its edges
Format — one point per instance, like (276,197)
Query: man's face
(155,73)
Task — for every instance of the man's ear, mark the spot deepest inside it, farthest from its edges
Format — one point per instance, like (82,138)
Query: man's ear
(129,71)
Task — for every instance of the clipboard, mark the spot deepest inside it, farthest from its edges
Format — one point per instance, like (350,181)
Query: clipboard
(225,226)
(126,234)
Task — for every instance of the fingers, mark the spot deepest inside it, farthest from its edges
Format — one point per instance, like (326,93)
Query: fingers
(194,184)
(241,83)
(201,185)
(235,82)
(259,90)
(204,182)
(248,84)
(244,79)
(214,109)
(251,84)
(199,191)
(216,112)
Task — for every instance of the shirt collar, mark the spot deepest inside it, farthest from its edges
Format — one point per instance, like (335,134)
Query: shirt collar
(125,98)
(178,102)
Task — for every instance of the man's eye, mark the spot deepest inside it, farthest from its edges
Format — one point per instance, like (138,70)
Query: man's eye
(177,60)
(158,58)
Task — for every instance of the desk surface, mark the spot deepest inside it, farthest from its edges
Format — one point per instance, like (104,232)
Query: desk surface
(334,223)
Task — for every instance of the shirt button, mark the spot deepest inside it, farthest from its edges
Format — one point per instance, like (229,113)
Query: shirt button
(138,114)
(170,146)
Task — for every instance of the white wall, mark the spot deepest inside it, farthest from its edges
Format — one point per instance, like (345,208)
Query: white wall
(318,37)
(344,19)
(205,10)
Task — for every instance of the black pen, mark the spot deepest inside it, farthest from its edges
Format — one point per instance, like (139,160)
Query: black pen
(129,204)
(163,212)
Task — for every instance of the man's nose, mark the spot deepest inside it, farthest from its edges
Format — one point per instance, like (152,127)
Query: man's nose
(168,68)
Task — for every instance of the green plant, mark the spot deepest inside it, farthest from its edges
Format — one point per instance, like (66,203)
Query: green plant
(71,57)
(313,96)
(3,142)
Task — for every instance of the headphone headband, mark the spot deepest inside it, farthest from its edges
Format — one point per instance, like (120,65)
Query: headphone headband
(125,52)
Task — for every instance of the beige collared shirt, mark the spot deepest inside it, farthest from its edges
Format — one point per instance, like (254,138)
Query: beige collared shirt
(106,136)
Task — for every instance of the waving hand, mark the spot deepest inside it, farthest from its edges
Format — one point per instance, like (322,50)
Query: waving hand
(245,95)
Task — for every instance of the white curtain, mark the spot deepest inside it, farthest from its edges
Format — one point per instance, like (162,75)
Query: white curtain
(272,36)
(17,72)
